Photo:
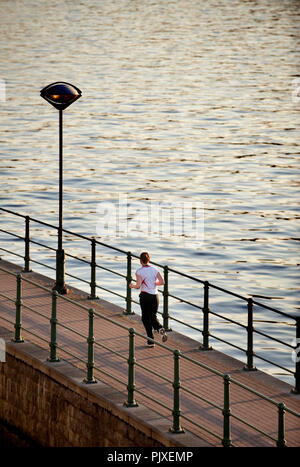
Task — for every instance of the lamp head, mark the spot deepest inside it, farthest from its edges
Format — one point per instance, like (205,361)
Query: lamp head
(60,94)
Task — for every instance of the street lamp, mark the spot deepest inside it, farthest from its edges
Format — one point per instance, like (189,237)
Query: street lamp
(60,95)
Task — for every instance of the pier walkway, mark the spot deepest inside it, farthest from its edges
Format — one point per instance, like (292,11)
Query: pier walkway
(243,410)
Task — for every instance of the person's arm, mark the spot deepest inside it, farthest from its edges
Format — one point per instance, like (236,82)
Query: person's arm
(159,279)
(138,283)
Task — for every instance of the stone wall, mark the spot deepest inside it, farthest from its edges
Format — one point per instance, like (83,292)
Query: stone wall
(50,404)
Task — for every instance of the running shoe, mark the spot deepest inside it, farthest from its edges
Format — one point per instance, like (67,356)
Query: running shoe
(162,331)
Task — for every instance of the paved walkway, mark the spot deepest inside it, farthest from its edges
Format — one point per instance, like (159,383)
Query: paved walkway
(152,390)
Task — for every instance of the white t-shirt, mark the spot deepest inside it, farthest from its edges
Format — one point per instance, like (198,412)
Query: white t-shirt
(148,276)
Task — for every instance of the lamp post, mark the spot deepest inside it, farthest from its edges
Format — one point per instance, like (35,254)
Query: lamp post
(60,95)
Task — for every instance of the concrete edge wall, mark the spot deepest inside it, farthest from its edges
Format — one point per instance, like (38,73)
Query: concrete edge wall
(50,404)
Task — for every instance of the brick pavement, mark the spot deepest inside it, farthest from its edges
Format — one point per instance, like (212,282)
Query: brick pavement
(197,416)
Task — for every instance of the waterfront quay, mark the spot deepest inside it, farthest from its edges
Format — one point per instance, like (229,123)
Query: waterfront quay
(99,384)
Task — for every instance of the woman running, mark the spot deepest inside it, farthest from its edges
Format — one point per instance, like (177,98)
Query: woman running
(147,279)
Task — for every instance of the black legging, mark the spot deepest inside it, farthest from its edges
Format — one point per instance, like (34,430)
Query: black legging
(149,306)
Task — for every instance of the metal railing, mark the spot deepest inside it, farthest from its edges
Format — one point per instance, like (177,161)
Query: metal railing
(176,412)
(207,312)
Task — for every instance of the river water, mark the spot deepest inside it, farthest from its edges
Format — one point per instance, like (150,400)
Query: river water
(183,101)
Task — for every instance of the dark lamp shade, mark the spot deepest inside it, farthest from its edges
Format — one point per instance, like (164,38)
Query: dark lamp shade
(60,94)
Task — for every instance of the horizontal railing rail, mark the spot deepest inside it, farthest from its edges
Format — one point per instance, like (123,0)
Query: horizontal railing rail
(178,388)
(206,310)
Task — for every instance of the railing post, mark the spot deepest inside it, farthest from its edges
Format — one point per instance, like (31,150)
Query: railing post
(176,428)
(53,321)
(249,366)
(226,441)
(131,362)
(27,245)
(93,284)
(90,340)
(281,443)
(18,321)
(205,332)
(166,315)
(128,289)
(296,389)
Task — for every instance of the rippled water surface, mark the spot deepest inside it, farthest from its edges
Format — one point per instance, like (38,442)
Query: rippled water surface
(182,101)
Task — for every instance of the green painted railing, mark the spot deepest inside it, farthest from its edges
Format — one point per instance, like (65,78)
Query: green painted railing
(206,310)
(178,388)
